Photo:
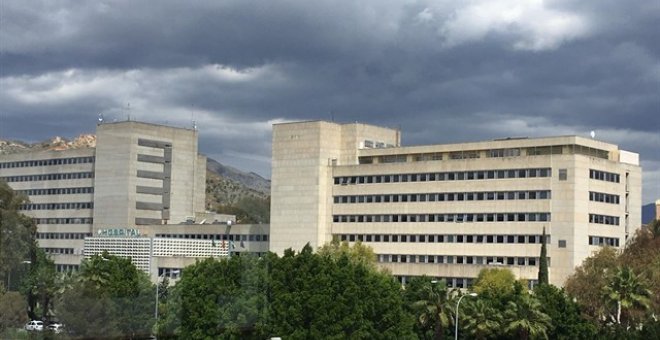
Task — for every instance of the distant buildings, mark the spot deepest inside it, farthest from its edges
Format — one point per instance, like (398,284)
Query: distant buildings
(137,193)
(450,210)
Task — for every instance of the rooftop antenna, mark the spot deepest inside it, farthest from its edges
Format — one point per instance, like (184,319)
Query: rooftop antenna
(192,118)
(592,134)
(128,111)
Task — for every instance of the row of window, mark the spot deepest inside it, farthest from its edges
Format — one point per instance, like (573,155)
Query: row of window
(58,191)
(172,273)
(67,220)
(63,236)
(439,238)
(480,217)
(604,176)
(603,219)
(445,196)
(67,268)
(57,206)
(603,197)
(58,251)
(49,177)
(452,282)
(515,152)
(445,176)
(46,162)
(220,237)
(603,241)
(460,259)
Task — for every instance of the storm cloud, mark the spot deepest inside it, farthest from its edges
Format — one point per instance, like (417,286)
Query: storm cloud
(441,71)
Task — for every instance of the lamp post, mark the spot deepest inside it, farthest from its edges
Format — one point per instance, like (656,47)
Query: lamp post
(458,303)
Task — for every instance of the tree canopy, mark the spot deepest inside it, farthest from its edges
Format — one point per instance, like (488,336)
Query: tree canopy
(305,295)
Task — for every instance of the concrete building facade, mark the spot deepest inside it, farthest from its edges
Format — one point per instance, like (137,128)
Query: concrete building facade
(138,176)
(450,210)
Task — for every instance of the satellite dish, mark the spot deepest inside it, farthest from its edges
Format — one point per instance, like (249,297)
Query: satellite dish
(593,134)
(100,118)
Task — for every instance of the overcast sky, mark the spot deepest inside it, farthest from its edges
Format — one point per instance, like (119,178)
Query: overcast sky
(441,71)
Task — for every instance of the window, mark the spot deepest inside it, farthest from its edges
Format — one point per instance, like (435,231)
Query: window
(562,244)
(563,174)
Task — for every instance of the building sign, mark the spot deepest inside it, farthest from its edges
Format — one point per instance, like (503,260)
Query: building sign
(118,232)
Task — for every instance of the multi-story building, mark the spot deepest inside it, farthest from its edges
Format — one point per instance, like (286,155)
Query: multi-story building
(450,210)
(144,178)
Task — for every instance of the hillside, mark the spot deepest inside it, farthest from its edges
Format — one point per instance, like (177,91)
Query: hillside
(232,191)
(648,213)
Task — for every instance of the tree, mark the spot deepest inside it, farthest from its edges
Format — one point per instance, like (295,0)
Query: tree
(481,319)
(40,285)
(432,309)
(220,299)
(301,295)
(642,255)
(17,232)
(495,283)
(524,319)
(626,291)
(586,284)
(13,307)
(543,261)
(567,322)
(110,297)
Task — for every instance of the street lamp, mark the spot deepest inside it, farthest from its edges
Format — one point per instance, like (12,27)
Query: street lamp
(458,303)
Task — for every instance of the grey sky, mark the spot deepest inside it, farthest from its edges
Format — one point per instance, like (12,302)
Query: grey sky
(442,71)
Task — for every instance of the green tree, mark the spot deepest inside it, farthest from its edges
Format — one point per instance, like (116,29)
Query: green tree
(626,290)
(543,261)
(480,319)
(220,299)
(432,308)
(567,322)
(17,233)
(41,285)
(586,284)
(495,283)
(110,297)
(13,311)
(334,296)
(642,255)
(524,319)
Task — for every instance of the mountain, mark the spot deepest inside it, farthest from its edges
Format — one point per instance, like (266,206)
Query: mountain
(54,144)
(648,213)
(249,180)
(232,191)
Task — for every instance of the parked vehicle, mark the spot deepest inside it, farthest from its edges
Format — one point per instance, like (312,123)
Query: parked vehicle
(55,327)
(34,325)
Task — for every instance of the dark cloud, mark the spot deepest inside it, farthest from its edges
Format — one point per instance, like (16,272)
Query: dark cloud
(440,71)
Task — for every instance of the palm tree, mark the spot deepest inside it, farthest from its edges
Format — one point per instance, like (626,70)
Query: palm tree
(482,321)
(524,319)
(626,290)
(433,309)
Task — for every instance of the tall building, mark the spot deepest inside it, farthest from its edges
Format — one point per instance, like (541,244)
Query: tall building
(138,174)
(450,210)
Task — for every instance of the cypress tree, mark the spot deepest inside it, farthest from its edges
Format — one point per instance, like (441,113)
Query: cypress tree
(543,261)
